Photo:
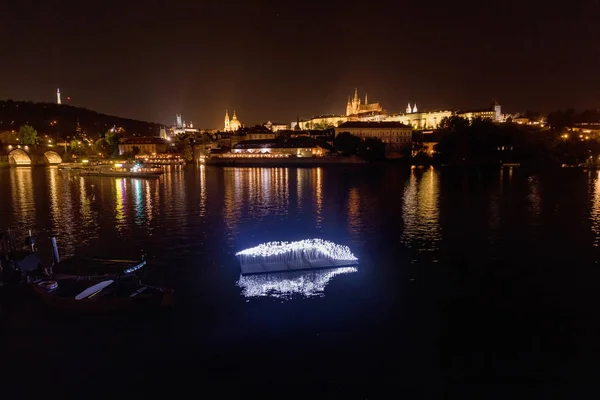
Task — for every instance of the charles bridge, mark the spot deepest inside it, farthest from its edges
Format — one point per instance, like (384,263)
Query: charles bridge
(30,155)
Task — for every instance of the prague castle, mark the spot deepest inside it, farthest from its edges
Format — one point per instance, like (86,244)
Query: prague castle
(365,112)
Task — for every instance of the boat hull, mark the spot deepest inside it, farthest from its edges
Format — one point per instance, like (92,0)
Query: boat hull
(151,298)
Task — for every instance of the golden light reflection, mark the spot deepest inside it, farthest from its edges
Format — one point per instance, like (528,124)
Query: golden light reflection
(22,196)
(318,195)
(420,210)
(149,206)
(63,209)
(259,192)
(353,211)
(120,204)
(595,209)
(202,190)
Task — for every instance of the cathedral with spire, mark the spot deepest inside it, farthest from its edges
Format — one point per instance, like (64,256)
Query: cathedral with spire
(355,107)
(233,124)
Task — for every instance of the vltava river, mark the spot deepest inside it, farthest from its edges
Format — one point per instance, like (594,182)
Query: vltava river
(480,275)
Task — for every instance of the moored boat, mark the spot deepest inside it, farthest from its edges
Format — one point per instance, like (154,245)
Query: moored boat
(100,295)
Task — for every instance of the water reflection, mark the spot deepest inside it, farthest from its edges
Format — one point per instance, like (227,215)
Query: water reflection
(23,201)
(290,284)
(535,200)
(139,205)
(420,211)
(120,204)
(317,185)
(256,193)
(202,212)
(353,211)
(595,209)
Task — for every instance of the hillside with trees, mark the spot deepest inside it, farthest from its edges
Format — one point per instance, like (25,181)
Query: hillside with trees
(61,121)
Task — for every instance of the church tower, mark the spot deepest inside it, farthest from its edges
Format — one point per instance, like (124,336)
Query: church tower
(366,101)
(415,108)
(226,121)
(408,109)
(179,123)
(349,107)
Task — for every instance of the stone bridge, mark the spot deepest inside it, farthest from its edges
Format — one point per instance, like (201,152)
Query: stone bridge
(25,156)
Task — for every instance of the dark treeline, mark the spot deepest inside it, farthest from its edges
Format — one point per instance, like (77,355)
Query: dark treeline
(60,120)
(559,120)
(481,142)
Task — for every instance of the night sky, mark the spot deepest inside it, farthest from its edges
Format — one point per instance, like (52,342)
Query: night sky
(272,60)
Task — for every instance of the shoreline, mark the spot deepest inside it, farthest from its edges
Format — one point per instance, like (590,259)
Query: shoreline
(284,162)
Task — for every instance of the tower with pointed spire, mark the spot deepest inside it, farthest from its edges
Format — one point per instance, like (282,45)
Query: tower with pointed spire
(226,128)
(233,124)
(58,96)
(408,109)
(355,107)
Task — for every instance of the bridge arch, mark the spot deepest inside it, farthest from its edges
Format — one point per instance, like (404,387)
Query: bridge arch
(52,158)
(18,157)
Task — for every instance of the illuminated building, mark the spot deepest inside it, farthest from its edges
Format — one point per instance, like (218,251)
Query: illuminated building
(233,124)
(420,120)
(181,127)
(299,147)
(277,126)
(395,135)
(58,96)
(495,113)
(355,107)
(146,145)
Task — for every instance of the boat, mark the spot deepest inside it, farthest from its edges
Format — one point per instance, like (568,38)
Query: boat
(17,261)
(124,170)
(103,295)
(96,286)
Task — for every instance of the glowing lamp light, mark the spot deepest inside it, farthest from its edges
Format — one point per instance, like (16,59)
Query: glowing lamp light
(85,161)
(118,165)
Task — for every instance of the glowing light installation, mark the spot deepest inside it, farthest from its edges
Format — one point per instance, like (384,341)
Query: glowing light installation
(288,284)
(286,256)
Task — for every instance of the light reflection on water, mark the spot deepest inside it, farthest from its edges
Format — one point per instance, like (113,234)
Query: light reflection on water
(23,201)
(420,211)
(290,284)
(594,182)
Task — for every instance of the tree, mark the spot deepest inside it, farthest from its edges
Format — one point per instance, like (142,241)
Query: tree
(113,139)
(135,150)
(77,147)
(347,144)
(373,149)
(102,147)
(27,135)
(8,137)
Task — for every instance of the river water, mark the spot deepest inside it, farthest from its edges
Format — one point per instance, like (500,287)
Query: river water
(483,281)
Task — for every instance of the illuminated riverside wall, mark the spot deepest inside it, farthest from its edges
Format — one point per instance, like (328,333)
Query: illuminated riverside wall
(282,161)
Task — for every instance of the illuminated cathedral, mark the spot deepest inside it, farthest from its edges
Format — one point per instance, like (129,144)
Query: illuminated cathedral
(355,107)
(233,124)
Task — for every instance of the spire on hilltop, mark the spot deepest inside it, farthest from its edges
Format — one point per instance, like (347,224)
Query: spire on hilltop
(366,101)
(408,109)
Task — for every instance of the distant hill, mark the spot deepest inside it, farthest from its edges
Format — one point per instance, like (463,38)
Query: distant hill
(60,120)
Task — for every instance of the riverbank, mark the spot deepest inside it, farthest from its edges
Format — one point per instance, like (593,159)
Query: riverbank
(284,162)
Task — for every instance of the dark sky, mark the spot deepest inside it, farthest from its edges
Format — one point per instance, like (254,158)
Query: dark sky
(276,59)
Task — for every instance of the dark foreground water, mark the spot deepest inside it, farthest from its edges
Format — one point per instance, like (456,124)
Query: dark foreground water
(481,283)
